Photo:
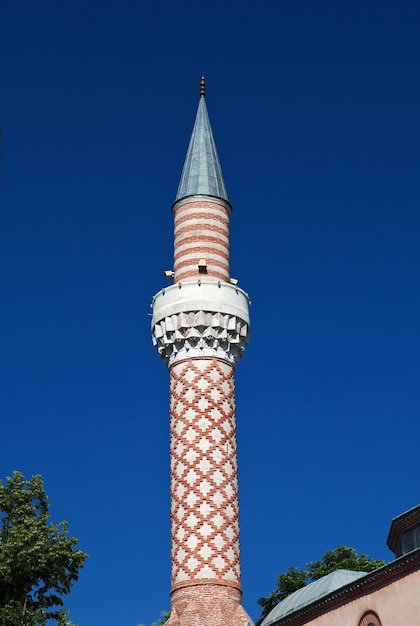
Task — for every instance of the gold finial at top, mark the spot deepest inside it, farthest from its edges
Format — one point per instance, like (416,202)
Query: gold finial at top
(202,87)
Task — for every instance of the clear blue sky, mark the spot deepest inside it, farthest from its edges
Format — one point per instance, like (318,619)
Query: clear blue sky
(315,111)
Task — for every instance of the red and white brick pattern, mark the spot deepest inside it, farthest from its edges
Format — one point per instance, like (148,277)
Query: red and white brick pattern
(201,232)
(204,487)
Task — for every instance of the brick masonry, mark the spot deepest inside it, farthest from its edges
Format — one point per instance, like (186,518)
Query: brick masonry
(206,588)
(204,495)
(201,231)
(204,484)
(207,605)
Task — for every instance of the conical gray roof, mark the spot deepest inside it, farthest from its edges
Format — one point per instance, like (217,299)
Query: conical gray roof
(202,173)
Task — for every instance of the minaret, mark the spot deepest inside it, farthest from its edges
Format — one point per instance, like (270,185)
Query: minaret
(200,328)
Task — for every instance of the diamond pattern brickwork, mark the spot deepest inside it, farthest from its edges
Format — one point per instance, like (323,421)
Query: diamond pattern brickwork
(204,487)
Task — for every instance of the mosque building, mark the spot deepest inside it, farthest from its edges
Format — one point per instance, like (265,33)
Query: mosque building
(200,328)
(388,596)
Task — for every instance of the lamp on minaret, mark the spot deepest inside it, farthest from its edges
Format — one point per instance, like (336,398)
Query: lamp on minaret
(200,328)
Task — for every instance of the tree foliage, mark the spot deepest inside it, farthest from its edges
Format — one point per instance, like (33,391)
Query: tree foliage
(294,578)
(39,561)
(164,616)
(342,558)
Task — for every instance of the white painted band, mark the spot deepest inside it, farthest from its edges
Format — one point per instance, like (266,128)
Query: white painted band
(200,295)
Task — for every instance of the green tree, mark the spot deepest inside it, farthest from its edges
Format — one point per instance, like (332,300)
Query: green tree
(341,558)
(39,561)
(164,616)
(294,578)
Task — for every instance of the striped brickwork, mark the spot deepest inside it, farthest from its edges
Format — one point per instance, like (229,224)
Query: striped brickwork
(370,619)
(201,232)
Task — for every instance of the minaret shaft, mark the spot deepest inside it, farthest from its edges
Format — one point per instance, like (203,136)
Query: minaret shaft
(200,328)
(201,231)
(204,485)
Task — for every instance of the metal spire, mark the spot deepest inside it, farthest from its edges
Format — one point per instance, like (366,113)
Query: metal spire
(202,174)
